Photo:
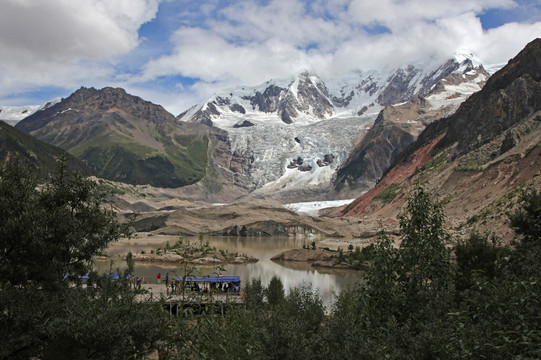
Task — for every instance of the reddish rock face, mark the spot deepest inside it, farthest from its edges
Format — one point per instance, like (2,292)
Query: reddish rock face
(491,149)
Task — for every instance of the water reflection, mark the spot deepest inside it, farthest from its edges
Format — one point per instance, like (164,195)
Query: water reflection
(327,281)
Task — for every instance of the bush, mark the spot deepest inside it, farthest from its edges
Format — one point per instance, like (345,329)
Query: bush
(388,194)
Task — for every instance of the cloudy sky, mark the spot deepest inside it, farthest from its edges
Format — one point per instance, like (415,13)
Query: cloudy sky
(178,52)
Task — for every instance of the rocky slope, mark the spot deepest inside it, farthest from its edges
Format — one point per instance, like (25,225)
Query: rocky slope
(293,135)
(478,185)
(477,159)
(37,155)
(243,218)
(122,137)
(397,126)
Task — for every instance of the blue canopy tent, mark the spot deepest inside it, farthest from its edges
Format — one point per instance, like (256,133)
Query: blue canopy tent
(233,279)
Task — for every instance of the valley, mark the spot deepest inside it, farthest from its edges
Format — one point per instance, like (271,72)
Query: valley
(270,179)
(238,164)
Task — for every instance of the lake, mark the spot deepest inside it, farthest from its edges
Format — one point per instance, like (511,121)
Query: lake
(326,280)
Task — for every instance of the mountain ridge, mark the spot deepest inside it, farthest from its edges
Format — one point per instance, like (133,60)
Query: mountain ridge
(285,138)
(477,159)
(287,127)
(123,137)
(13,114)
(349,93)
(37,155)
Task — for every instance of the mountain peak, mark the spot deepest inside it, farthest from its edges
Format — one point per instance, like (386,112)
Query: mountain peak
(13,114)
(123,137)
(305,73)
(463,55)
(510,95)
(483,153)
(528,61)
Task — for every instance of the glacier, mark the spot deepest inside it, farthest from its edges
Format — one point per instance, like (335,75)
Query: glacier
(288,127)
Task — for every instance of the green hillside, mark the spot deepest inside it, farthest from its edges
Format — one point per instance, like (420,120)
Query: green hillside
(138,164)
(124,138)
(42,158)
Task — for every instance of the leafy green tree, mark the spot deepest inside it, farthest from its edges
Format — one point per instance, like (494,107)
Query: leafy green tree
(291,327)
(399,310)
(130,263)
(423,256)
(476,256)
(425,277)
(62,222)
(255,294)
(288,330)
(341,258)
(498,314)
(18,211)
(526,221)
(49,235)
(275,291)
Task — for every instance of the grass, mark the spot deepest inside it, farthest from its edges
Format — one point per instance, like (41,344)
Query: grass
(434,164)
(104,188)
(181,159)
(468,164)
(388,194)
(118,158)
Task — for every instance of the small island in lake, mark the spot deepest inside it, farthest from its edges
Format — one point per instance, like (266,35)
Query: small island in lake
(196,253)
(354,258)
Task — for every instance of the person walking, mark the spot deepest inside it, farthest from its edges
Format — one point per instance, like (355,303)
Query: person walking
(166,279)
(159,277)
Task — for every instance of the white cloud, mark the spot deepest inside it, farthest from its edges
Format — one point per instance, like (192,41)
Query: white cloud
(69,43)
(59,42)
(399,14)
(207,56)
(249,42)
(501,44)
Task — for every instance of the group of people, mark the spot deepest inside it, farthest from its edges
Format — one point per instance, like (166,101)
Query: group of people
(175,285)
(226,287)
(136,282)
(159,278)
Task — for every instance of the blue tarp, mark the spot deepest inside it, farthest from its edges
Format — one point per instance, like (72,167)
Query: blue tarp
(113,276)
(214,279)
(83,277)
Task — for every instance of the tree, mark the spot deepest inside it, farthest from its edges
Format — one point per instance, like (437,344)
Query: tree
(63,222)
(49,235)
(130,263)
(18,206)
(526,221)
(500,291)
(476,256)
(423,256)
(275,291)
(399,310)
(255,294)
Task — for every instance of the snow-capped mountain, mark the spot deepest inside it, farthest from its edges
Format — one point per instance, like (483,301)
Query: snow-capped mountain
(297,132)
(306,98)
(13,114)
